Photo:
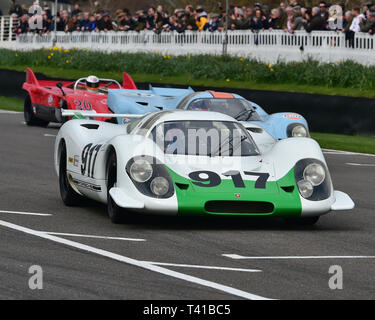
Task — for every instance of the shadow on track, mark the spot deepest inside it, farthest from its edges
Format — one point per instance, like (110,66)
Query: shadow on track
(207,223)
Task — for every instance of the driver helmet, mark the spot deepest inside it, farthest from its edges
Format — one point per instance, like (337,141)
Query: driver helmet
(92,83)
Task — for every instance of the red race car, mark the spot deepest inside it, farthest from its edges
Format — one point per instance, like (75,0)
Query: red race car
(46,98)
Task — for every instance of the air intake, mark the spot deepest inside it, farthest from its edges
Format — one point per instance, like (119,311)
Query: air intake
(249,207)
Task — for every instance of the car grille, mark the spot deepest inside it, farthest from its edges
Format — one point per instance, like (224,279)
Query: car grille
(250,207)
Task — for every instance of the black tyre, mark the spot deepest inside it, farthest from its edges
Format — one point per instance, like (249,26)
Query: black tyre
(68,195)
(115,213)
(306,221)
(30,118)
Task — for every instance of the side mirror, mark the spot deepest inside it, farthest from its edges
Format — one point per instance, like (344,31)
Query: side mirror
(60,86)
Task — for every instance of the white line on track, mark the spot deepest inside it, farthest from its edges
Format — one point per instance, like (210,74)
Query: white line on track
(134,262)
(27,213)
(201,267)
(9,112)
(91,236)
(239,257)
(360,164)
(346,153)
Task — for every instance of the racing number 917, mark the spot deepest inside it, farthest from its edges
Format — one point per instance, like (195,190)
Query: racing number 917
(212,179)
(89,155)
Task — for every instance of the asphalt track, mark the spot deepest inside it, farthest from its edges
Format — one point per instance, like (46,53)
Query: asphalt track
(84,256)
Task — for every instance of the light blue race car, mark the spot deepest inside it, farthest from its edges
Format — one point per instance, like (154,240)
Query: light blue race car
(279,125)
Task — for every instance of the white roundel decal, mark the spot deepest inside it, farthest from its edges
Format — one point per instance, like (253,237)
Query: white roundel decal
(50,100)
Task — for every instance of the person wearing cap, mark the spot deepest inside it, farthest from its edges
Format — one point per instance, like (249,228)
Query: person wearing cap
(372,19)
(120,20)
(201,18)
(367,25)
(118,12)
(107,22)
(141,20)
(214,22)
(367,6)
(324,10)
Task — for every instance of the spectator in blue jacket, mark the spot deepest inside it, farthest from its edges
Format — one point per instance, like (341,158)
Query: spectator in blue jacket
(92,24)
(257,22)
(84,23)
(214,22)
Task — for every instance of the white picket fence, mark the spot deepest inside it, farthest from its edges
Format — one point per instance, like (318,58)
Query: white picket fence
(7,34)
(266,46)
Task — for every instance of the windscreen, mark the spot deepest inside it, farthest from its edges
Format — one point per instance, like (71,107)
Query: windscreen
(240,109)
(204,138)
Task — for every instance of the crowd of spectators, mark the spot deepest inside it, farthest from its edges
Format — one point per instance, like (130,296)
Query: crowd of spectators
(289,16)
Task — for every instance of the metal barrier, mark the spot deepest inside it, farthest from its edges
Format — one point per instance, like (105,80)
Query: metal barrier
(266,46)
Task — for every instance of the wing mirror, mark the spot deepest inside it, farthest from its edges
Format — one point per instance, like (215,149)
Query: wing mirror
(60,86)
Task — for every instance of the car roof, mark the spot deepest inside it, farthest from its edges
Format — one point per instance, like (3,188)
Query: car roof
(215,95)
(189,115)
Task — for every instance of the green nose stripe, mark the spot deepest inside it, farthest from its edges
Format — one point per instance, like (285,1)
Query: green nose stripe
(283,194)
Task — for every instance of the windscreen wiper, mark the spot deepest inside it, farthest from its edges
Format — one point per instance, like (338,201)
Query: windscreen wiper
(228,140)
(243,138)
(250,111)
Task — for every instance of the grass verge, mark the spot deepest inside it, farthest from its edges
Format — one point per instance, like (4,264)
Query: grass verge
(326,140)
(187,80)
(360,144)
(12,104)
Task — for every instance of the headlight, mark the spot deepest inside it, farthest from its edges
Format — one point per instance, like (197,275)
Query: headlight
(313,179)
(141,170)
(305,188)
(299,131)
(315,174)
(159,186)
(150,177)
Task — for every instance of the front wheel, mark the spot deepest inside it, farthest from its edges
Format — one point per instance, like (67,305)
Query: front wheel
(115,213)
(304,221)
(68,195)
(30,118)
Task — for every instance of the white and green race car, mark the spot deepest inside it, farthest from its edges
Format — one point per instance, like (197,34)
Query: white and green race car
(193,163)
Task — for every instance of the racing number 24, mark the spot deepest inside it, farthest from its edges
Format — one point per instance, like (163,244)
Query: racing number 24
(213,179)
